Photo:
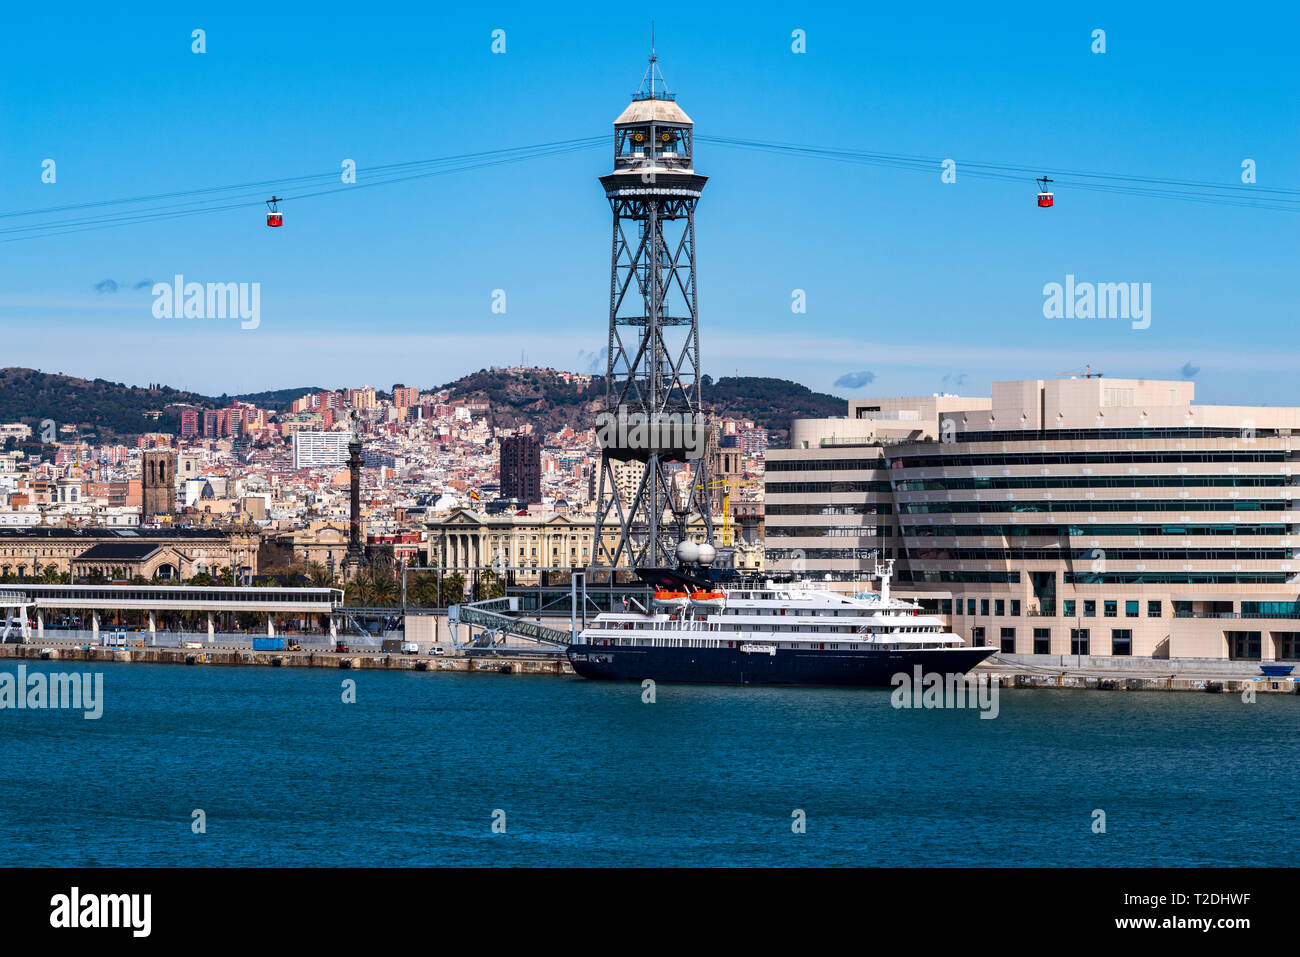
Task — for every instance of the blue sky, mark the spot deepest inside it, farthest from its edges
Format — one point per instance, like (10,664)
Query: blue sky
(913,285)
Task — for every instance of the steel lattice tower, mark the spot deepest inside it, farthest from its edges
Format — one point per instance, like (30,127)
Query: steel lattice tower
(653,372)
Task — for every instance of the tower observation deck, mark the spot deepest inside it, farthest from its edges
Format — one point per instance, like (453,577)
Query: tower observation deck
(652,413)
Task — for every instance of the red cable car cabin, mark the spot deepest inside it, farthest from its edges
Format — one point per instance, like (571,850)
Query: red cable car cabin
(1045,197)
(274,217)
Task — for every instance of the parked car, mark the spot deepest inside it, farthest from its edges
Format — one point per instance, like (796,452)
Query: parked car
(437,650)
(341,646)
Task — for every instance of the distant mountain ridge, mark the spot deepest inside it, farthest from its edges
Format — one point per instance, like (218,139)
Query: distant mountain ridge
(110,408)
(543,397)
(548,398)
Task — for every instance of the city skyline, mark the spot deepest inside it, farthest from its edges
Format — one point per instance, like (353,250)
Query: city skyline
(911,285)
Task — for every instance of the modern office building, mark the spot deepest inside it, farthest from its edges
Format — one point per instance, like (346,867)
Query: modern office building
(828,504)
(1088,516)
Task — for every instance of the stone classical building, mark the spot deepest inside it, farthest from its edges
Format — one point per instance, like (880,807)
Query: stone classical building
(322,542)
(525,544)
(122,554)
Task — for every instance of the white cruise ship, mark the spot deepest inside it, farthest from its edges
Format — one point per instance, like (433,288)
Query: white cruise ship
(798,633)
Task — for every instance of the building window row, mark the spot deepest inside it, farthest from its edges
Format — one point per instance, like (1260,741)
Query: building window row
(823,465)
(915,576)
(1094,554)
(1121,641)
(1177,578)
(1089,505)
(1093,481)
(1095,531)
(828,531)
(1050,435)
(868,508)
(1000,460)
(822,488)
(794,554)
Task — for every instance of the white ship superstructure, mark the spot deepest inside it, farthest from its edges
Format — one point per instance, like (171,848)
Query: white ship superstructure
(819,635)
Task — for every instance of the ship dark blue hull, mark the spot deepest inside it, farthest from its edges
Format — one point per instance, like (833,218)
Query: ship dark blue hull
(787,667)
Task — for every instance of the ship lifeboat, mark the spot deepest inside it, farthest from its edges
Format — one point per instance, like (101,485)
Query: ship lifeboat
(670,601)
(708,601)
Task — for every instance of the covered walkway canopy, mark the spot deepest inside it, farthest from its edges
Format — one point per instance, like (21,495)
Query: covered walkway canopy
(183,598)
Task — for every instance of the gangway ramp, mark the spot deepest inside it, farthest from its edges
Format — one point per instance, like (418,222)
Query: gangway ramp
(494,614)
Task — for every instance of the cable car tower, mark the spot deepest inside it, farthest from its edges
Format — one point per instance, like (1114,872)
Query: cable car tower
(652,386)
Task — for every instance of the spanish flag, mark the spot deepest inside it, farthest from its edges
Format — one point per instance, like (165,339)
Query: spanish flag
(474,495)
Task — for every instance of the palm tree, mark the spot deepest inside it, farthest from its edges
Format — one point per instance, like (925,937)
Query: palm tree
(319,575)
(489,586)
(453,589)
(423,590)
(362,590)
(385,587)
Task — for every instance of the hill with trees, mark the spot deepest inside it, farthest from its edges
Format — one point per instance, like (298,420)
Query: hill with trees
(543,397)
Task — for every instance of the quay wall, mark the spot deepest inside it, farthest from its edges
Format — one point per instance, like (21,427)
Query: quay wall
(1006,673)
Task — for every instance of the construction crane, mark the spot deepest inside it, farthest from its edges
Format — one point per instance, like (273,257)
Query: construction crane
(1087,373)
(726,485)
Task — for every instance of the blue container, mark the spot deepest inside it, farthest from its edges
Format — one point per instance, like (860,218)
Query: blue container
(268,644)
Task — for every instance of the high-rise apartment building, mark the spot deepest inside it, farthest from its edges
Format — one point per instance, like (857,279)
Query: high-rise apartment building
(312,449)
(521,468)
(363,398)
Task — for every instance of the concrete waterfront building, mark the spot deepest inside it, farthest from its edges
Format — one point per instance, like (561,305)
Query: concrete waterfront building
(312,449)
(1087,516)
(827,502)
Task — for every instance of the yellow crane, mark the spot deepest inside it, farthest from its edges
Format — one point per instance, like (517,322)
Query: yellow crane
(726,486)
